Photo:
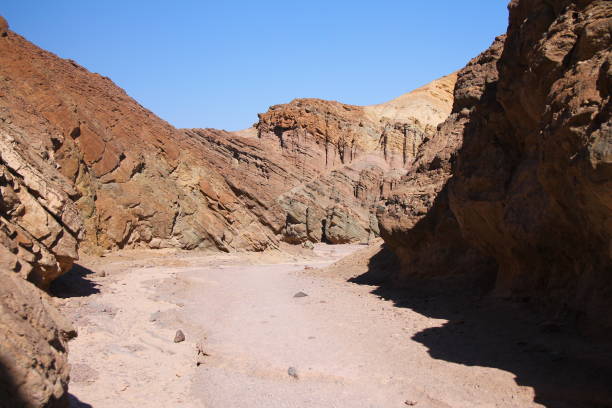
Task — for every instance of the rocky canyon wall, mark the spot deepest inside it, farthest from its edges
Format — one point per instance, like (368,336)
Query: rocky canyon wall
(136,180)
(416,220)
(314,170)
(530,193)
(309,171)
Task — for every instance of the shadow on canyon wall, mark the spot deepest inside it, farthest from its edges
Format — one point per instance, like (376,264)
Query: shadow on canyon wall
(9,397)
(564,369)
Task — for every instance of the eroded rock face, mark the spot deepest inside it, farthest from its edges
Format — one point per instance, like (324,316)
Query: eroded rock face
(39,224)
(529,196)
(40,230)
(416,220)
(34,368)
(532,185)
(314,170)
(137,180)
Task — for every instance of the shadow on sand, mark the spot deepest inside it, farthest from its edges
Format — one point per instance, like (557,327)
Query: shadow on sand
(564,369)
(76,403)
(74,283)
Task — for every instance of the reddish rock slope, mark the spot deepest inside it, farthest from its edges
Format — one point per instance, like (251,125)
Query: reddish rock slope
(137,180)
(40,230)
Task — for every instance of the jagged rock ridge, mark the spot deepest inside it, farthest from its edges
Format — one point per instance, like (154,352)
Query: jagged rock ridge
(138,181)
(314,170)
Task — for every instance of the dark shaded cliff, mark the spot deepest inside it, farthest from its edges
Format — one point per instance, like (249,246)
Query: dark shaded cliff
(529,201)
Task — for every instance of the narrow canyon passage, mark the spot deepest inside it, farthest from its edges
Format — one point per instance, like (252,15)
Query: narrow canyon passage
(339,346)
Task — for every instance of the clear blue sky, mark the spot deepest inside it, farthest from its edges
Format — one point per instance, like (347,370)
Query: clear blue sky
(218,63)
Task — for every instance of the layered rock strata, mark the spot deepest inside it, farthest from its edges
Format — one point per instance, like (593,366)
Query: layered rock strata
(314,170)
(137,180)
(40,230)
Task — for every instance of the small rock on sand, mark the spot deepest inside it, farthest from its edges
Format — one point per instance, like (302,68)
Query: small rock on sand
(292,371)
(179,336)
(300,294)
(410,403)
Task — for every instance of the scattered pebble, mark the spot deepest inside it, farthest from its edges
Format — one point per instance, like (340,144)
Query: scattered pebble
(179,336)
(300,294)
(410,403)
(292,371)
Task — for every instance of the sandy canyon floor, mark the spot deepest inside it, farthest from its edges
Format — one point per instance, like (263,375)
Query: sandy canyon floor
(251,342)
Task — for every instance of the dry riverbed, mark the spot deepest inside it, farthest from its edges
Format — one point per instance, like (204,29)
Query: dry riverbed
(261,330)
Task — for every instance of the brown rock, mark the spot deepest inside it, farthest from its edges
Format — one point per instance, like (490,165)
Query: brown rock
(416,220)
(529,200)
(39,224)
(34,368)
(137,180)
(4,27)
(305,160)
(532,183)
(179,336)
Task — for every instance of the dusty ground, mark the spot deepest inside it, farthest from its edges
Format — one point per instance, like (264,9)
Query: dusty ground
(339,346)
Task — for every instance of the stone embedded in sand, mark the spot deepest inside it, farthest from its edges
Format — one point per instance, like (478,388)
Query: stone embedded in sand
(179,336)
(292,372)
(300,294)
